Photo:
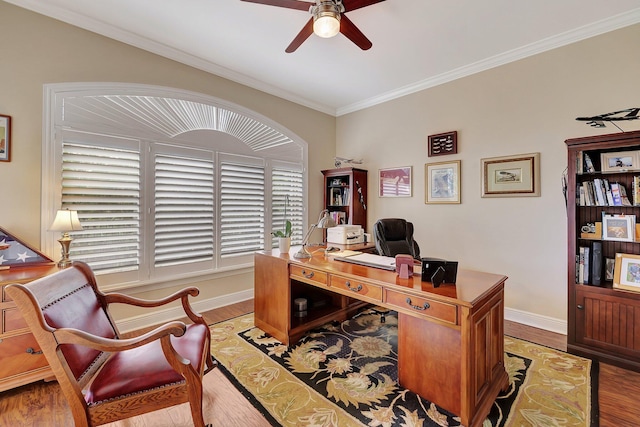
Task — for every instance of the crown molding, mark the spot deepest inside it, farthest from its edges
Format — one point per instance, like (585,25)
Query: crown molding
(566,38)
(578,34)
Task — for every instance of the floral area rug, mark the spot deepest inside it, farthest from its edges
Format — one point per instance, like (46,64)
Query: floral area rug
(345,374)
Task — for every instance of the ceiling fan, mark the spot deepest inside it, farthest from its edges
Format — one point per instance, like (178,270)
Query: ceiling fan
(327,19)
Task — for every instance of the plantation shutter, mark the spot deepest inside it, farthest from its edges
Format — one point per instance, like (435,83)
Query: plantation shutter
(242,206)
(102,182)
(184,209)
(286,190)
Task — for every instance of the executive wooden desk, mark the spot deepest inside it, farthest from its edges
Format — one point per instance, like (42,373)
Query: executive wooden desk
(450,339)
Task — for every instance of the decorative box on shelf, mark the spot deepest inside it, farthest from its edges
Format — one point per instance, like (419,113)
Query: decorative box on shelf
(592,232)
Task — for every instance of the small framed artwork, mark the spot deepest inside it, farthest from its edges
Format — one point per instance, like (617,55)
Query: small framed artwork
(620,161)
(5,138)
(511,176)
(609,268)
(627,272)
(442,182)
(620,228)
(442,143)
(395,182)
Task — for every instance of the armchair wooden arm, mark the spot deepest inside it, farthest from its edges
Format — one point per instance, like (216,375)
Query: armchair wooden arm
(183,294)
(78,337)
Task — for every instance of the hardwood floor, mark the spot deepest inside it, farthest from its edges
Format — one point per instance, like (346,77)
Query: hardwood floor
(42,404)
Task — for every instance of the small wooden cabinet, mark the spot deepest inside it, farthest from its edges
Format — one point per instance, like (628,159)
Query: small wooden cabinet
(603,321)
(345,195)
(21,361)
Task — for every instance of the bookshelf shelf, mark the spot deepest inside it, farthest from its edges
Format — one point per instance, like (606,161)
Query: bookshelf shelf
(603,321)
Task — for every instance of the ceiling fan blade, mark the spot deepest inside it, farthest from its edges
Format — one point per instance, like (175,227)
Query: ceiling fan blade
(352,32)
(304,34)
(357,4)
(289,4)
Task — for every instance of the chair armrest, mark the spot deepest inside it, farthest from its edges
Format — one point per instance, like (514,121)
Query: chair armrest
(78,337)
(183,294)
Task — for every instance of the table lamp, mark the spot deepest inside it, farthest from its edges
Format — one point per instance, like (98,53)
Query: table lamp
(324,221)
(65,221)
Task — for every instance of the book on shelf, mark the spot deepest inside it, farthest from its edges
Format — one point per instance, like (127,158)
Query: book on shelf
(635,190)
(601,192)
(588,164)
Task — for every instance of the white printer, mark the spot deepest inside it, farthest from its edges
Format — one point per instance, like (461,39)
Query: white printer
(345,234)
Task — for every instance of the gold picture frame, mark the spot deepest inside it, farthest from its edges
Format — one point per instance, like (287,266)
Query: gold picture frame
(626,273)
(511,176)
(442,182)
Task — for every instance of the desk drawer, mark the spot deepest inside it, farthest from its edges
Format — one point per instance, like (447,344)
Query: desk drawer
(423,306)
(12,320)
(20,354)
(308,275)
(357,288)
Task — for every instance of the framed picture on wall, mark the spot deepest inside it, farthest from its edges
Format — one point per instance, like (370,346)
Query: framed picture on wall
(5,138)
(395,182)
(442,182)
(511,176)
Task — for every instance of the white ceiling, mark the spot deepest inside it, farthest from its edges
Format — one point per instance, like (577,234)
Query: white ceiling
(416,43)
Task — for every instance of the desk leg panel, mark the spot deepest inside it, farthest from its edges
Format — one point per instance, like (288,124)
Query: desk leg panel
(272,299)
(429,361)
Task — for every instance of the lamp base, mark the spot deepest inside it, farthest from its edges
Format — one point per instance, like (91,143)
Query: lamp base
(303,253)
(65,241)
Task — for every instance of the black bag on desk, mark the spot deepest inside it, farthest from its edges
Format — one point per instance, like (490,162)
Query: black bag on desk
(437,271)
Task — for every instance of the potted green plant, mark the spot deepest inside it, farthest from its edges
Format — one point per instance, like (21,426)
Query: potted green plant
(284,235)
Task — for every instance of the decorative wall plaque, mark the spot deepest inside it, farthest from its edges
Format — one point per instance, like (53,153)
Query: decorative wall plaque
(443,143)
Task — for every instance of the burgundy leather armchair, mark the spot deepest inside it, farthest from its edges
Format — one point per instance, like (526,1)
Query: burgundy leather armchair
(103,376)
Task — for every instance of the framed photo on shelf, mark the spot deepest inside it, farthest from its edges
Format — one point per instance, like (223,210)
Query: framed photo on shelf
(511,176)
(620,228)
(395,182)
(442,182)
(627,272)
(5,138)
(620,161)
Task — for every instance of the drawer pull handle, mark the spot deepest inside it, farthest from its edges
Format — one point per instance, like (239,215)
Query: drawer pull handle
(307,275)
(417,307)
(356,289)
(32,351)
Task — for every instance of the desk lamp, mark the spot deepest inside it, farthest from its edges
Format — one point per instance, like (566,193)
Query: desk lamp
(324,221)
(65,221)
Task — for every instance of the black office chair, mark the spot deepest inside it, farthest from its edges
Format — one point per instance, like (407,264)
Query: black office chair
(394,236)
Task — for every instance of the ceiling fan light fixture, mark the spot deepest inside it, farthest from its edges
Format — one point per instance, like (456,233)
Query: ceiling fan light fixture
(326,19)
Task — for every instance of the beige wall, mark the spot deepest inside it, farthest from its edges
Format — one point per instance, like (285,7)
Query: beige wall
(523,107)
(39,50)
(527,106)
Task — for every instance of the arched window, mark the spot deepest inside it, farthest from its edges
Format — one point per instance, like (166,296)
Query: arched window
(166,182)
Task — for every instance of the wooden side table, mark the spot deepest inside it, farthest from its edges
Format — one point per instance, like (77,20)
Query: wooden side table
(21,361)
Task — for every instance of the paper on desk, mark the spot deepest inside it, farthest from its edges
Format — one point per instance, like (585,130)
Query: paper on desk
(371,260)
(344,253)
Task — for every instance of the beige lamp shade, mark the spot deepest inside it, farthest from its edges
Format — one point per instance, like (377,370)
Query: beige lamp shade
(66,220)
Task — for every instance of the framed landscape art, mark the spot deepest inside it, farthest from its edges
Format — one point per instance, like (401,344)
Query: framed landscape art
(511,176)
